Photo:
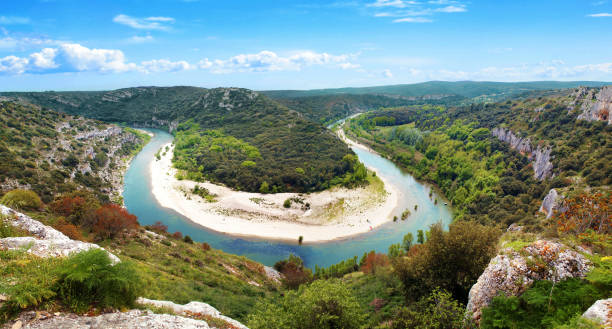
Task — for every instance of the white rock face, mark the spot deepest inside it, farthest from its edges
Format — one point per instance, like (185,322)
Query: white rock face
(272,274)
(197,308)
(119,320)
(549,203)
(598,109)
(48,242)
(512,273)
(601,312)
(540,156)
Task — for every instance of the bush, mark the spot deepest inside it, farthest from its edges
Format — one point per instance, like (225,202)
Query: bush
(436,311)
(450,260)
(78,207)
(188,239)
(294,271)
(287,203)
(324,304)
(89,279)
(111,219)
(541,306)
(22,200)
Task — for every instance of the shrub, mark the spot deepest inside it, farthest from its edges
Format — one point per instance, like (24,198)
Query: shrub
(541,306)
(324,304)
(78,207)
(69,230)
(294,271)
(111,219)
(177,235)
(586,211)
(450,260)
(374,261)
(89,279)
(438,310)
(287,203)
(159,227)
(205,246)
(22,200)
(188,239)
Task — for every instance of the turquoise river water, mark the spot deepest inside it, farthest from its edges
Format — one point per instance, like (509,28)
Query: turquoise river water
(140,201)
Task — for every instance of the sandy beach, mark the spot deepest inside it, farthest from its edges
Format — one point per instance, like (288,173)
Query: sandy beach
(322,216)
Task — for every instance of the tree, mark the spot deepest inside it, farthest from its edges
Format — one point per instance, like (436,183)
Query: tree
(420,237)
(407,242)
(586,211)
(374,261)
(323,304)
(293,271)
(450,260)
(264,187)
(78,207)
(111,219)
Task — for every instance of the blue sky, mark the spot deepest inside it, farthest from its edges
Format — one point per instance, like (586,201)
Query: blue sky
(96,44)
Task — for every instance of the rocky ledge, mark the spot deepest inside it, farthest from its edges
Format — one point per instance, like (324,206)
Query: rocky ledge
(46,241)
(130,319)
(595,106)
(512,272)
(192,309)
(600,311)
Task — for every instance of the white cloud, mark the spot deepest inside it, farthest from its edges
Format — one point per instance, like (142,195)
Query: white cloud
(22,43)
(164,65)
(413,11)
(44,59)
(13,65)
(387,73)
(266,61)
(149,23)
(451,9)
(141,39)
(412,20)
(103,60)
(10,20)
(600,15)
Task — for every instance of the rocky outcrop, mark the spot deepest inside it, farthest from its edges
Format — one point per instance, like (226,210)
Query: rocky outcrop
(47,241)
(97,133)
(600,312)
(118,320)
(596,107)
(272,274)
(549,204)
(197,309)
(540,156)
(512,272)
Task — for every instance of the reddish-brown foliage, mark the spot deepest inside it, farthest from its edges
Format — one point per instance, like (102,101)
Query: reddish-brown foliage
(586,211)
(112,219)
(67,205)
(374,261)
(78,207)
(177,235)
(377,303)
(205,246)
(70,230)
(159,227)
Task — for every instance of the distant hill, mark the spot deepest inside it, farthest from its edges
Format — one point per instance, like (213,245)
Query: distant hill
(330,108)
(294,153)
(469,89)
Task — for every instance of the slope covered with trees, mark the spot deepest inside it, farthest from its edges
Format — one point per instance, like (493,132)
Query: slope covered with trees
(284,138)
(50,152)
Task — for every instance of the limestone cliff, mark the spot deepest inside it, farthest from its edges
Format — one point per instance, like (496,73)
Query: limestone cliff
(540,156)
(595,104)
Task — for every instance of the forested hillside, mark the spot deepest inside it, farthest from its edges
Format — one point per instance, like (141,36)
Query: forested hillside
(330,108)
(496,162)
(284,139)
(468,89)
(51,152)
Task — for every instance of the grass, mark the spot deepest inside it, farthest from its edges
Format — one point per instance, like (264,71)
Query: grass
(181,272)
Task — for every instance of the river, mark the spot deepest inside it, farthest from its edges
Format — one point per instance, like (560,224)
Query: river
(140,201)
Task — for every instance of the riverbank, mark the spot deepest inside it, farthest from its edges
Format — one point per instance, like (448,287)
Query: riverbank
(333,214)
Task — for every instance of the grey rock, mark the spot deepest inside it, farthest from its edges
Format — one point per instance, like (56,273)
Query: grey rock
(48,242)
(119,320)
(601,312)
(549,204)
(599,108)
(272,274)
(540,156)
(193,308)
(510,273)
